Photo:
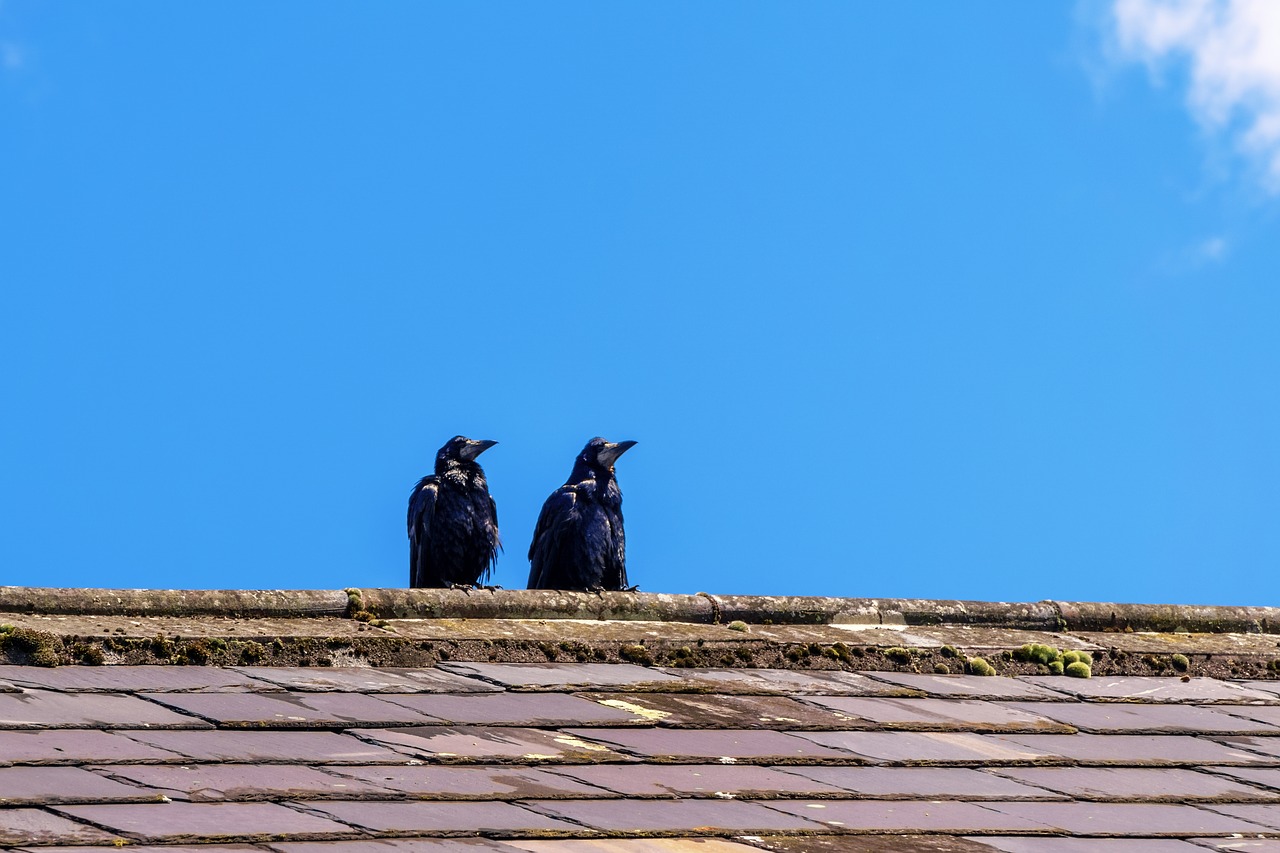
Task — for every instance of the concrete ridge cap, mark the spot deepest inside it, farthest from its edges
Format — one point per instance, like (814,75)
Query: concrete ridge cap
(700,607)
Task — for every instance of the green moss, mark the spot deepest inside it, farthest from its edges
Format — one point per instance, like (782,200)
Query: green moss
(979,666)
(1055,667)
(897,654)
(37,648)
(1037,653)
(948,652)
(941,669)
(251,652)
(737,625)
(1180,663)
(1079,669)
(636,654)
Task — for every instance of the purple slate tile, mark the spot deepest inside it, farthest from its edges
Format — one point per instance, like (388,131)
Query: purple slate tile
(213,821)
(697,780)
(497,744)
(168,848)
(451,782)
(75,746)
(33,826)
(292,710)
(788,682)
(1088,845)
(516,709)
(387,845)
(967,686)
(357,679)
(700,710)
(201,783)
(132,679)
(1267,815)
(923,783)
(895,843)
(44,709)
(1238,845)
(1101,717)
(280,746)
(632,845)
(1141,750)
(929,747)
(725,745)
(910,816)
(1124,819)
(567,676)
(1138,688)
(1267,777)
(1262,713)
(1262,746)
(1139,784)
(47,785)
(701,816)
(940,714)
(422,818)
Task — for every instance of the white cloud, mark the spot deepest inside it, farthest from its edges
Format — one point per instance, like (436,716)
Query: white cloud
(1232,51)
(1212,249)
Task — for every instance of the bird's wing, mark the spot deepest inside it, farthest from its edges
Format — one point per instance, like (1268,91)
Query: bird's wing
(546,534)
(422,505)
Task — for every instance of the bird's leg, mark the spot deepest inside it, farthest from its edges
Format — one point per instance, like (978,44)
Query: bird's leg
(465,587)
(488,587)
(635,588)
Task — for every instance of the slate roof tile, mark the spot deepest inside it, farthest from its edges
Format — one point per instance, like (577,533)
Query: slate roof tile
(364,679)
(932,747)
(725,745)
(688,816)
(34,826)
(453,782)
(518,709)
(1149,718)
(566,676)
(424,818)
(700,710)
(51,785)
(1136,688)
(924,783)
(1139,784)
(163,822)
(1132,819)
(1090,845)
(787,682)
(699,780)
(45,709)
(134,679)
(948,816)
(968,686)
(291,709)
(1140,750)
(246,747)
(933,714)
(77,746)
(219,782)
(491,744)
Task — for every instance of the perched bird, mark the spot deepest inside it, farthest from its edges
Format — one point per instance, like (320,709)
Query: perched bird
(453,522)
(579,542)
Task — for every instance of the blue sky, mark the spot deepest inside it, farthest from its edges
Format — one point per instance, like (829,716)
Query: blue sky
(899,299)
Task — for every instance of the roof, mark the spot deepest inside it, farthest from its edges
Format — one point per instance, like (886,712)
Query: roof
(822,724)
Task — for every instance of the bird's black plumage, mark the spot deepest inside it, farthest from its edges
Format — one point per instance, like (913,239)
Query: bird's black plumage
(453,521)
(579,542)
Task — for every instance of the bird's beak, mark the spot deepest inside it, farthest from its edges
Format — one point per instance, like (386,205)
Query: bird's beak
(610,453)
(475,448)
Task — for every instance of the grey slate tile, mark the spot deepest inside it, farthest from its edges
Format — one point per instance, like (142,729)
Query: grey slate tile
(516,709)
(567,676)
(1138,784)
(1101,717)
(968,686)
(49,785)
(292,710)
(250,747)
(689,816)
(354,679)
(700,710)
(1263,713)
(1267,777)
(425,818)
(787,682)
(168,848)
(725,745)
(931,747)
(1138,750)
(44,709)
(33,826)
(1262,746)
(895,843)
(478,744)
(1089,845)
(946,816)
(452,782)
(1238,845)
(75,746)
(923,783)
(1124,819)
(940,714)
(176,822)
(697,780)
(1137,688)
(218,782)
(132,679)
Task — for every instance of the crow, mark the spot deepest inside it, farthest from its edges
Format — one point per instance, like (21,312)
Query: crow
(579,542)
(453,522)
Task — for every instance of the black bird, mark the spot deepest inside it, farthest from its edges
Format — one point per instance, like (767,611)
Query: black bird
(453,522)
(579,542)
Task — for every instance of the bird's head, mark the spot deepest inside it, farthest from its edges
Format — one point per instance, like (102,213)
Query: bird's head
(461,449)
(600,455)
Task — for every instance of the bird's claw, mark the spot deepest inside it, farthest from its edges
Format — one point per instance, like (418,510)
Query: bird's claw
(465,587)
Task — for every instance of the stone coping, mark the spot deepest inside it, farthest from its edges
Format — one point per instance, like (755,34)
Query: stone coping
(700,608)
